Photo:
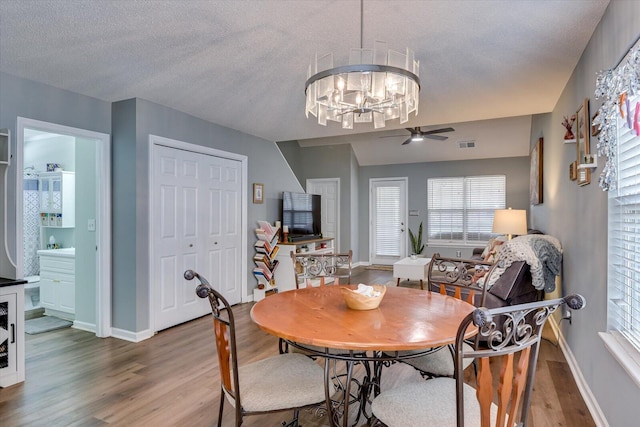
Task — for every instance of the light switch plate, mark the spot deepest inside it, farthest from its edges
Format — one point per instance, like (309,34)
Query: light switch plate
(91,225)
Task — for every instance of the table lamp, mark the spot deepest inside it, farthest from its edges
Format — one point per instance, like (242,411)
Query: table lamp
(510,221)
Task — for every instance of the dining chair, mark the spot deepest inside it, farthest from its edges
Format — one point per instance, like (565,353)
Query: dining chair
(459,278)
(323,268)
(511,354)
(289,381)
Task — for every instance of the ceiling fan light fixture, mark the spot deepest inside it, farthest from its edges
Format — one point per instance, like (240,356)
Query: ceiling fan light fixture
(417,138)
(377,85)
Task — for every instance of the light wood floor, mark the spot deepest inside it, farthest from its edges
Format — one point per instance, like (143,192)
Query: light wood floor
(76,379)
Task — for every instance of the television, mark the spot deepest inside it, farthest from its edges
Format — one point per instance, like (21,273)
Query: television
(301,213)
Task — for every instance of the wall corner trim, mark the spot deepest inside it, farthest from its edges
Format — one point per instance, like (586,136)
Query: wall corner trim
(131,336)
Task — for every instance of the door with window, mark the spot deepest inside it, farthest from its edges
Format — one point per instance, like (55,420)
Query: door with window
(388,219)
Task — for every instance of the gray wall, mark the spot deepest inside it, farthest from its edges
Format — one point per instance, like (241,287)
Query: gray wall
(133,121)
(578,217)
(329,161)
(29,99)
(516,170)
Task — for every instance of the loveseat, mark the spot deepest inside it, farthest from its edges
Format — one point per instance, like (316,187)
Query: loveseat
(515,283)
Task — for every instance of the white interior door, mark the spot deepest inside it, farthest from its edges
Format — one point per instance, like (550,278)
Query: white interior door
(197,226)
(388,219)
(329,190)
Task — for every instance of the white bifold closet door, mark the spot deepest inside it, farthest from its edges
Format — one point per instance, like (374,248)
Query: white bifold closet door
(197,216)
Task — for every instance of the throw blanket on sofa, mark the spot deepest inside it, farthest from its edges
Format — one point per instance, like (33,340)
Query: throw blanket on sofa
(543,253)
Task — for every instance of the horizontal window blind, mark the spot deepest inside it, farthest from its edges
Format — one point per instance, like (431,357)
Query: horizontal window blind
(624,238)
(460,209)
(388,221)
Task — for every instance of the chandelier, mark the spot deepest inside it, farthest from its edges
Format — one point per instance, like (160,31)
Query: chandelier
(379,84)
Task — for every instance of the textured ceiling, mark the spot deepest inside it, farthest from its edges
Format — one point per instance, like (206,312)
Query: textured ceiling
(242,64)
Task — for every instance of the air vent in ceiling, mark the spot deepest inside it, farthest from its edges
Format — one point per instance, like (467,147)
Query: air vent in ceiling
(466,144)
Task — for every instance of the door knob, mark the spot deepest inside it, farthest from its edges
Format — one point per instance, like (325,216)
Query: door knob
(190,245)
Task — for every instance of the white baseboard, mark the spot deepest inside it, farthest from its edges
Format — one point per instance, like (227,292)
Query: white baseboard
(84,326)
(583,387)
(123,334)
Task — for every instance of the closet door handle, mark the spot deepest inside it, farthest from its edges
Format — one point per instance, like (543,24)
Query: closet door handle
(13,333)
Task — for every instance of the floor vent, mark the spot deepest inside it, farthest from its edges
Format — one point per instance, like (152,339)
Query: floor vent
(466,144)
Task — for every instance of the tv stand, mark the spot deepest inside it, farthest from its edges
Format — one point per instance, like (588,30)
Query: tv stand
(284,275)
(304,238)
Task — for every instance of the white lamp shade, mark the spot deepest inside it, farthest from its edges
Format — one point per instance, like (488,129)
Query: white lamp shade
(510,221)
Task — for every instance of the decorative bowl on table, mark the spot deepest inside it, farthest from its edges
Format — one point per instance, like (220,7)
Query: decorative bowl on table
(359,301)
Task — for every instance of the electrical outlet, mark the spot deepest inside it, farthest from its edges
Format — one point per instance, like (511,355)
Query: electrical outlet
(458,254)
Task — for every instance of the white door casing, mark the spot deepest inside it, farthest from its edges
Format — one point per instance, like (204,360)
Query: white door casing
(103,211)
(198,203)
(387,220)
(329,190)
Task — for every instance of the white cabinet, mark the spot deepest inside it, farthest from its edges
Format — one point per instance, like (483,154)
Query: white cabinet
(11,334)
(285,278)
(57,199)
(57,282)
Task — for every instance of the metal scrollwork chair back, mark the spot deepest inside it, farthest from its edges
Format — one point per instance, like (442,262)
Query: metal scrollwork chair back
(513,350)
(462,279)
(278,383)
(326,268)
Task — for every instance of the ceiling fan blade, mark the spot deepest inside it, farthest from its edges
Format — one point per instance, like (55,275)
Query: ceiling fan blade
(407,141)
(436,137)
(430,132)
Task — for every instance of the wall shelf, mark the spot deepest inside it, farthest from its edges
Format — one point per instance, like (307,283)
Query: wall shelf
(265,260)
(591,165)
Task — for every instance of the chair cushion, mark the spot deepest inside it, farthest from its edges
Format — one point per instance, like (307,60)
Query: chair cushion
(281,382)
(427,403)
(438,363)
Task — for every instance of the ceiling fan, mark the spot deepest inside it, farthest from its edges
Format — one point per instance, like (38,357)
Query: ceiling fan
(418,134)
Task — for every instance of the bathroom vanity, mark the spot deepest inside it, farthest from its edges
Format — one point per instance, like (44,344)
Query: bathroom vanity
(58,282)
(11,331)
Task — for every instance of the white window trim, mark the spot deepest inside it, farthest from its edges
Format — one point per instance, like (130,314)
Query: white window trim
(624,353)
(622,350)
(459,243)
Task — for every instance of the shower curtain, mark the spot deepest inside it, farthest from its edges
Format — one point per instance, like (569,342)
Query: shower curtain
(31,222)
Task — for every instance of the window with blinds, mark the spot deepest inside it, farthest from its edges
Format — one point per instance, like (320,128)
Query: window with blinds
(624,236)
(460,209)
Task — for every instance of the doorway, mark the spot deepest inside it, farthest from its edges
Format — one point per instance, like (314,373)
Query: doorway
(329,189)
(88,236)
(388,220)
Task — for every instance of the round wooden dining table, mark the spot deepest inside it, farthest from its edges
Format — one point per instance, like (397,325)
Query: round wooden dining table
(407,319)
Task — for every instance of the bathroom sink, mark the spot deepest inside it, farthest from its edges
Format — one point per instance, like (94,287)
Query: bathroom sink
(64,252)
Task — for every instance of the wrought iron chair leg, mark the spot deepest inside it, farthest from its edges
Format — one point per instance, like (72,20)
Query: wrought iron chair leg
(294,421)
(222,398)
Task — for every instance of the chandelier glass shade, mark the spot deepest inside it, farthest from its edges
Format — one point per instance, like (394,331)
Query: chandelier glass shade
(379,84)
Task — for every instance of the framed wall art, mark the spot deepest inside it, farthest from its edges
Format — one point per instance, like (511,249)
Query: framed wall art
(535,178)
(583,130)
(258,193)
(573,170)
